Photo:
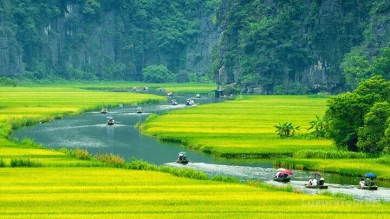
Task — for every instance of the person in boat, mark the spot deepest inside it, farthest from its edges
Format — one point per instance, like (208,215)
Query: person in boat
(180,158)
(310,181)
(314,182)
(362,183)
(321,181)
(279,174)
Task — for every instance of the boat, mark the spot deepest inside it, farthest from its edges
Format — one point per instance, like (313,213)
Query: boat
(174,102)
(170,94)
(190,102)
(368,187)
(182,158)
(104,111)
(368,183)
(110,120)
(282,179)
(282,175)
(316,187)
(197,95)
(139,110)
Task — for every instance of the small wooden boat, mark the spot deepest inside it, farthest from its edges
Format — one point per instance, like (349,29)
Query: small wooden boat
(316,187)
(282,179)
(139,110)
(183,159)
(197,95)
(174,102)
(368,187)
(104,111)
(110,120)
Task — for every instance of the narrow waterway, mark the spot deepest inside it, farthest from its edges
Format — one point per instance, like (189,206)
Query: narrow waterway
(89,131)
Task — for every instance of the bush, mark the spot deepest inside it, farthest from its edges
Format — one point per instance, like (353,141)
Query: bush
(24,162)
(225,179)
(111,159)
(2,163)
(157,74)
(384,160)
(7,82)
(322,154)
(135,164)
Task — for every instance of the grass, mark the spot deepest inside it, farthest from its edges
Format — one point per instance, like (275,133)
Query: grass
(244,126)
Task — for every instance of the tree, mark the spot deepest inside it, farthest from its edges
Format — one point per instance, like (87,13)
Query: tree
(286,129)
(374,128)
(346,112)
(157,74)
(319,126)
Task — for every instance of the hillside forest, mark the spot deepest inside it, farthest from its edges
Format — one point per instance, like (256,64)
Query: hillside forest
(247,46)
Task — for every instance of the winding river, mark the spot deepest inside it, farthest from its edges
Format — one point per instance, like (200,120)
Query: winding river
(89,131)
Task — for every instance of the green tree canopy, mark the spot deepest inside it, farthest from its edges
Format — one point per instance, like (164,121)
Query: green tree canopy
(374,128)
(157,74)
(347,114)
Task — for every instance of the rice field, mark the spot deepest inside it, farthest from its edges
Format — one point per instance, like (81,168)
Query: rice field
(117,193)
(243,126)
(64,187)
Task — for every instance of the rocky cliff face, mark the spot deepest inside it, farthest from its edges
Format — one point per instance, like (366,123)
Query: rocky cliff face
(10,56)
(265,59)
(109,45)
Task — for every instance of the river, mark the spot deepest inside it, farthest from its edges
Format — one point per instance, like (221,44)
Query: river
(89,131)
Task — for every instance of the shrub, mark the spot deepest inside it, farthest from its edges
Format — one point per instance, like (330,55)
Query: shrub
(323,154)
(135,164)
(111,159)
(77,153)
(24,162)
(384,160)
(2,163)
(225,179)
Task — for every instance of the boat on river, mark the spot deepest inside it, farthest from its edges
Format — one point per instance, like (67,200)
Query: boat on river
(110,120)
(316,187)
(368,187)
(368,183)
(182,158)
(282,175)
(139,110)
(282,179)
(104,111)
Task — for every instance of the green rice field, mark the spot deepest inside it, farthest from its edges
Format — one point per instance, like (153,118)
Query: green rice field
(117,193)
(62,186)
(244,126)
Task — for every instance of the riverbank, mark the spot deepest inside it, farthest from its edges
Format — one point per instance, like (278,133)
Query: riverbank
(245,128)
(65,187)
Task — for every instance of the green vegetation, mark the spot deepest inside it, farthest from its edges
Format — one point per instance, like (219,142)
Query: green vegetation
(118,39)
(359,120)
(286,129)
(74,184)
(243,127)
(109,192)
